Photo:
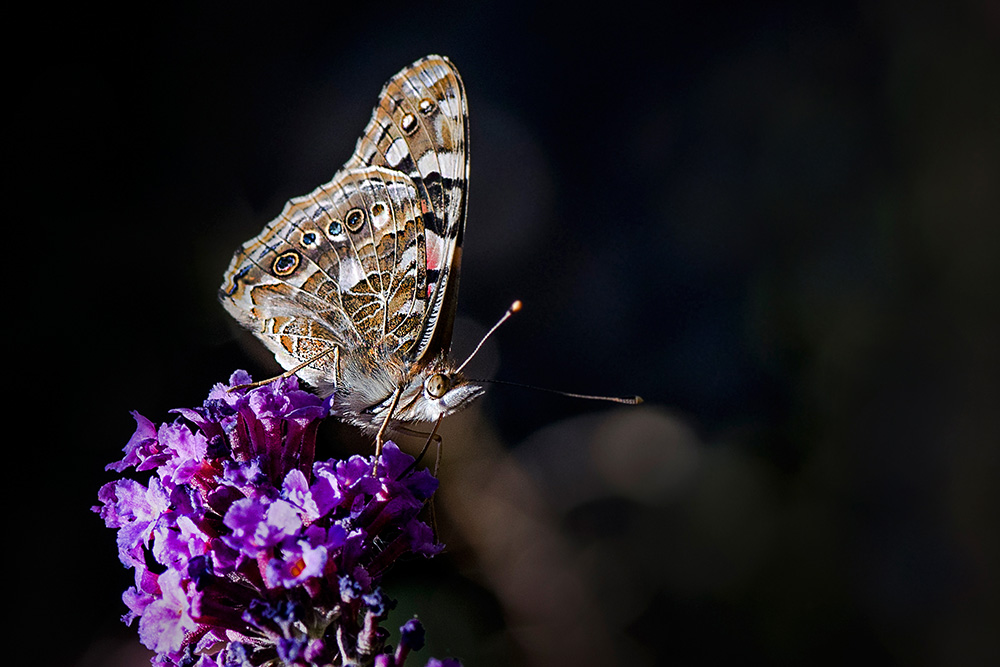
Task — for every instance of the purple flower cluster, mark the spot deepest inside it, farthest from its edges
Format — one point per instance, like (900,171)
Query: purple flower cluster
(248,552)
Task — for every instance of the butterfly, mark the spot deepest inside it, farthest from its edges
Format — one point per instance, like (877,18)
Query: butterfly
(353,287)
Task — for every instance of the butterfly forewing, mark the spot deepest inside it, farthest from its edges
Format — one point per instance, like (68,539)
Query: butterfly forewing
(368,262)
(420,127)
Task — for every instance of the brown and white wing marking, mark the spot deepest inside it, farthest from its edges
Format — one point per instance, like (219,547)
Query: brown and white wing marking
(368,262)
(420,128)
(344,265)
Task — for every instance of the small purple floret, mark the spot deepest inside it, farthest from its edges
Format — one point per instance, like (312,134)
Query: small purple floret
(412,635)
(246,551)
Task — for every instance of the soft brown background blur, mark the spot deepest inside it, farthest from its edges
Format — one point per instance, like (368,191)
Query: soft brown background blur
(777,222)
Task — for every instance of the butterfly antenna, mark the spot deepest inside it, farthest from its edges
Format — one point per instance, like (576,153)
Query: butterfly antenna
(624,400)
(514,307)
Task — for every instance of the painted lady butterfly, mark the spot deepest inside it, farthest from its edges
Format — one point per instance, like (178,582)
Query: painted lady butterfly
(353,287)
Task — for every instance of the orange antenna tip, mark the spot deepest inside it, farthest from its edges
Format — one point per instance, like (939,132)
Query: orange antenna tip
(514,307)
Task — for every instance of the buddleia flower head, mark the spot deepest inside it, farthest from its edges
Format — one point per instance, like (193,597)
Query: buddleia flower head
(246,551)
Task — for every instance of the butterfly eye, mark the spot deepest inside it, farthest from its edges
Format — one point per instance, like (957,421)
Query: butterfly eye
(437,385)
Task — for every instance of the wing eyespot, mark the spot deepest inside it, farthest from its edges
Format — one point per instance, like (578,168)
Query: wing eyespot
(409,124)
(335,228)
(285,264)
(426,106)
(354,219)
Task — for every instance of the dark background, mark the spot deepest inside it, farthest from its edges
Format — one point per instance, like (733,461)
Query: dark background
(777,222)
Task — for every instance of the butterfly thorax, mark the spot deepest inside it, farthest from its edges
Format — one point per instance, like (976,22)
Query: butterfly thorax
(367,386)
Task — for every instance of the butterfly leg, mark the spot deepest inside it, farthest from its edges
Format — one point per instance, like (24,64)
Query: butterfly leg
(289,373)
(431,437)
(437,462)
(380,436)
(437,440)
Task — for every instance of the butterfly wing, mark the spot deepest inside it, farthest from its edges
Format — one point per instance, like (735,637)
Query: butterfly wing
(368,262)
(421,128)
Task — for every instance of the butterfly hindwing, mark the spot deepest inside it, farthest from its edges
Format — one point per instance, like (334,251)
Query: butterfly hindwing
(288,296)
(369,261)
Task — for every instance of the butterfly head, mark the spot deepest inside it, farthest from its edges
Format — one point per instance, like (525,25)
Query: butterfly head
(412,394)
(438,392)
(445,392)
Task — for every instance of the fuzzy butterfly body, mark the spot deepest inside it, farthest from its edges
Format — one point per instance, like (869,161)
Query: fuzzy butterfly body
(354,285)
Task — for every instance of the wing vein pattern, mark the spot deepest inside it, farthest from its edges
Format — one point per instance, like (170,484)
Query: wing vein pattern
(369,261)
